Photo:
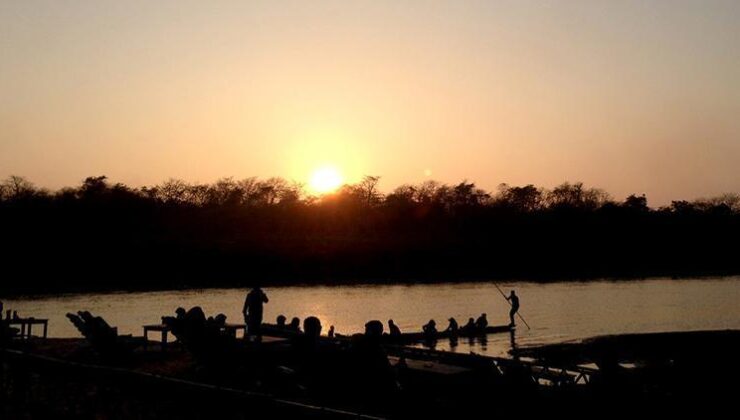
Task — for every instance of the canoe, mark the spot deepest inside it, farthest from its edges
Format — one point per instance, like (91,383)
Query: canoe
(421,336)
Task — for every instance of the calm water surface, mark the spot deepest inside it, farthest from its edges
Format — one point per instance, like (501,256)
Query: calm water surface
(556,312)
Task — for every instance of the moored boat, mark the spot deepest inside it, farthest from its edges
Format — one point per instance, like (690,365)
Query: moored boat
(460,333)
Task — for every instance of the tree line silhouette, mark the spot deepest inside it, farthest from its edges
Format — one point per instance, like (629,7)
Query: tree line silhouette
(103,236)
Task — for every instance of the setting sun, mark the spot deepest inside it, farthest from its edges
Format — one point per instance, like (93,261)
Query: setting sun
(325,179)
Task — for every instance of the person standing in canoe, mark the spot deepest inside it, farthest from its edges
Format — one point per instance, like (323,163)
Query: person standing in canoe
(253,309)
(514,300)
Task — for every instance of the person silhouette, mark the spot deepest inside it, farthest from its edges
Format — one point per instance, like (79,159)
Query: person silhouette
(253,310)
(373,378)
(393,329)
(514,300)
(469,328)
(452,327)
(312,327)
(481,323)
(180,313)
(430,329)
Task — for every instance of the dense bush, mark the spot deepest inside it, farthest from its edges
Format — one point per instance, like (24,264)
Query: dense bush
(103,236)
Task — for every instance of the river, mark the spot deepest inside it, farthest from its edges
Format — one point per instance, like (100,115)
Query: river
(556,312)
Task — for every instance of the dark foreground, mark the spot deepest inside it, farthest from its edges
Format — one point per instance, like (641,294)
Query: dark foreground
(655,373)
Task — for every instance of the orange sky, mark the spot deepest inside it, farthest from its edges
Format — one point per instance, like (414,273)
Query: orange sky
(629,96)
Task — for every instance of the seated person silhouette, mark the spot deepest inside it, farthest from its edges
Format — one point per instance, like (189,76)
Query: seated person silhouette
(295,324)
(452,328)
(430,330)
(393,329)
(370,373)
(481,323)
(469,328)
(312,327)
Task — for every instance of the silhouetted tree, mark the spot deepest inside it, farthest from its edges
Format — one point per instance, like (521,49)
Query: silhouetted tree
(94,187)
(403,197)
(731,201)
(575,196)
(368,190)
(683,207)
(16,188)
(522,199)
(637,203)
(172,191)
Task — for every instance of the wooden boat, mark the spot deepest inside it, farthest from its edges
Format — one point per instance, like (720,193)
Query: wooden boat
(421,336)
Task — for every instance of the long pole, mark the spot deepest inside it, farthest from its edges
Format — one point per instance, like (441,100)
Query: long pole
(507,301)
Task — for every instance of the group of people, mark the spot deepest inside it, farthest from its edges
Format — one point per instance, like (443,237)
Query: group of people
(253,311)
(295,324)
(473,326)
(355,367)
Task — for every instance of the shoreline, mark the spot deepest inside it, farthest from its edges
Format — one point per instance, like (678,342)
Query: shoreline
(341,282)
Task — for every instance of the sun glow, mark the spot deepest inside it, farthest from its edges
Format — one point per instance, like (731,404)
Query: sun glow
(325,179)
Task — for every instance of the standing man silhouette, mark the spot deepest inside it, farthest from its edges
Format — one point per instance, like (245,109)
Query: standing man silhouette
(253,309)
(514,300)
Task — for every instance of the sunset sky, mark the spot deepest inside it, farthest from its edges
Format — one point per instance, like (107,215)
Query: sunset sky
(629,96)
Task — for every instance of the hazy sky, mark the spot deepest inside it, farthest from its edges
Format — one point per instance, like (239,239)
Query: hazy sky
(630,96)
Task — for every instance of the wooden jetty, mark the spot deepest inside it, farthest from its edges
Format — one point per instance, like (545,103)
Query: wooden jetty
(665,366)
